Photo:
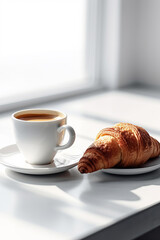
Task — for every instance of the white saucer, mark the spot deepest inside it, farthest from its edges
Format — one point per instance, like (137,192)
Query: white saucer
(14,160)
(151,165)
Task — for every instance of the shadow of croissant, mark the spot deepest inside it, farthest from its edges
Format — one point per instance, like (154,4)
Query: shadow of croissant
(113,191)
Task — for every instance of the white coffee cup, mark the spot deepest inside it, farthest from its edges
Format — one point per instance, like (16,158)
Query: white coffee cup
(39,139)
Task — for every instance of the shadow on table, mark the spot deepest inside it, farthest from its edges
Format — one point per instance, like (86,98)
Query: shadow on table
(41,200)
(99,187)
(64,203)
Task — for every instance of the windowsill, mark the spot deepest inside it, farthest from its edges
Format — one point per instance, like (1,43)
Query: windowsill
(25,100)
(94,202)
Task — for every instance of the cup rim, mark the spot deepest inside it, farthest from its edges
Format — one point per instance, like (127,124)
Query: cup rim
(38,109)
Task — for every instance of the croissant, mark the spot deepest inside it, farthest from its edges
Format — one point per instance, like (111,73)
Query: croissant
(123,145)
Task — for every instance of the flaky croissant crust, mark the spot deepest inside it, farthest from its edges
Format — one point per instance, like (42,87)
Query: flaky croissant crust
(123,145)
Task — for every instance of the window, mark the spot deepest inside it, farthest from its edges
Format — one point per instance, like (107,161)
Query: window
(45,47)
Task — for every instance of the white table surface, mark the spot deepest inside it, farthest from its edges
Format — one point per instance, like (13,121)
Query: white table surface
(70,205)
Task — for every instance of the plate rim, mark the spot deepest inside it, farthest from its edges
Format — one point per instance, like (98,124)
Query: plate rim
(134,171)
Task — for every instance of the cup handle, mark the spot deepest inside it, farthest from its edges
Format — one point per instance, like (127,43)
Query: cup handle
(71,140)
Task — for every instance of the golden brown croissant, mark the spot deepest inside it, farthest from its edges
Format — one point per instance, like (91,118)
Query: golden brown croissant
(123,145)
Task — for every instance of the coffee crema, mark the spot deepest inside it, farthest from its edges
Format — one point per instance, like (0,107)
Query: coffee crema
(38,117)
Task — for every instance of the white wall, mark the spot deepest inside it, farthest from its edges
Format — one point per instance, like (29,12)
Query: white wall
(131,42)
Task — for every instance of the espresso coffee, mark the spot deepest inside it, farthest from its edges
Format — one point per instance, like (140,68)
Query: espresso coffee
(38,117)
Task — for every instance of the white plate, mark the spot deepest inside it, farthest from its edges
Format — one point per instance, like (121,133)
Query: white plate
(151,165)
(14,160)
